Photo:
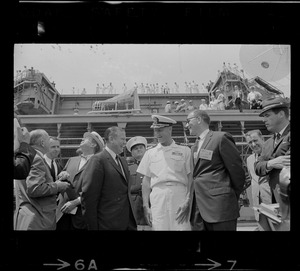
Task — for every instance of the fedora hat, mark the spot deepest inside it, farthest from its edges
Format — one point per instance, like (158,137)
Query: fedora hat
(274,102)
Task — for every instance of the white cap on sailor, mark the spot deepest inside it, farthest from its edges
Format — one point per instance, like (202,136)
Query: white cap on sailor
(161,121)
(136,141)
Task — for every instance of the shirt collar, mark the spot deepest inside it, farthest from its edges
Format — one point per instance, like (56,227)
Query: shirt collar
(87,156)
(203,134)
(48,160)
(281,132)
(111,152)
(165,147)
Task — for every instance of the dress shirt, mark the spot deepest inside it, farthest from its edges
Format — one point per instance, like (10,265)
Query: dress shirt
(278,135)
(84,159)
(49,161)
(114,156)
(201,139)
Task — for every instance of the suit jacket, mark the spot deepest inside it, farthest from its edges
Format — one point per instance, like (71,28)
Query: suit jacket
(36,198)
(23,158)
(269,153)
(136,194)
(106,201)
(250,166)
(218,182)
(73,192)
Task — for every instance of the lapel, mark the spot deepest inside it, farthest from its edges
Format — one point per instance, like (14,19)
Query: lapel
(77,163)
(124,165)
(45,164)
(114,164)
(206,140)
(285,132)
(194,151)
(204,144)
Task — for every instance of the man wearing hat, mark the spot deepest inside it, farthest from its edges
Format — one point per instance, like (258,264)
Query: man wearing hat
(167,179)
(203,105)
(137,146)
(182,106)
(191,107)
(69,213)
(177,108)
(276,150)
(168,108)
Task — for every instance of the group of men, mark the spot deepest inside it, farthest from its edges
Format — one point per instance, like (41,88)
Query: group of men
(167,186)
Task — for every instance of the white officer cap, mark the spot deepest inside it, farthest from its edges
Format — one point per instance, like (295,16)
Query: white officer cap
(161,121)
(136,141)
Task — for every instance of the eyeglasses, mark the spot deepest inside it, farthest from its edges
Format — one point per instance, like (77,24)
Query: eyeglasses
(188,120)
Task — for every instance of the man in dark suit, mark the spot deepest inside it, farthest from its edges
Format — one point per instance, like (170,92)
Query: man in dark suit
(68,212)
(23,152)
(51,157)
(106,200)
(276,150)
(23,155)
(218,174)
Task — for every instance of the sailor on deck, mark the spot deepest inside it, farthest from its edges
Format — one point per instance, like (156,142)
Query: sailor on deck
(167,179)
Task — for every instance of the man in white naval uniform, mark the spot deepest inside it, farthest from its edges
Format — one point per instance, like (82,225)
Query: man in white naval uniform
(167,170)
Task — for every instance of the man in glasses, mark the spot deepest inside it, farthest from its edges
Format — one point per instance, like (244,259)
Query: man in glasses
(218,174)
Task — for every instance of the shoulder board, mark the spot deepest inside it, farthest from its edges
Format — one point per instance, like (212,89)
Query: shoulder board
(151,147)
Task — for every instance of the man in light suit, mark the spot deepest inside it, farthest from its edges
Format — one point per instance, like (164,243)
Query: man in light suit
(68,212)
(276,151)
(218,174)
(36,196)
(260,188)
(106,200)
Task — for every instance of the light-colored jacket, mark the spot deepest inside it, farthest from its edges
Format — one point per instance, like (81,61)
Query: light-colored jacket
(36,198)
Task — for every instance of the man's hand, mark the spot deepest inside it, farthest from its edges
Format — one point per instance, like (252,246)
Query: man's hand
(69,206)
(62,186)
(148,215)
(279,162)
(23,135)
(63,175)
(183,212)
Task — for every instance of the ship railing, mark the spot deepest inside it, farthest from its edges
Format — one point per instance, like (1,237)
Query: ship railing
(28,74)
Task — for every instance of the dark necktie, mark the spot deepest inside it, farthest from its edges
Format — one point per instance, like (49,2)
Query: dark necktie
(196,150)
(277,138)
(120,165)
(118,161)
(52,169)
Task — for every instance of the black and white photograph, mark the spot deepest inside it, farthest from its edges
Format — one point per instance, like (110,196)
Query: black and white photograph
(157,134)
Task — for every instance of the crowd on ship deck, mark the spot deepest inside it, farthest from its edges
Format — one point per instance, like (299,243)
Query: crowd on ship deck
(168,187)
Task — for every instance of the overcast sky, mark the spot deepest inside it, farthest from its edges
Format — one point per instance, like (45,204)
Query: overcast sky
(86,65)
